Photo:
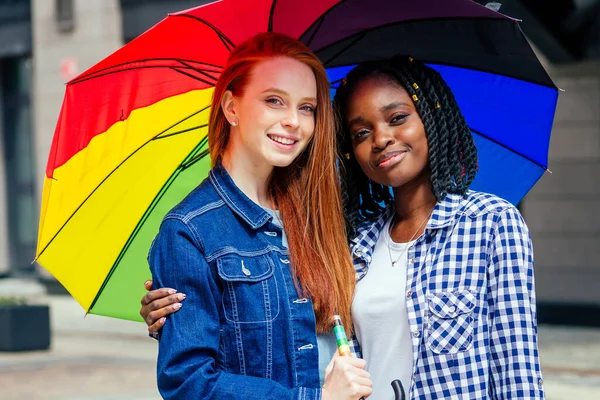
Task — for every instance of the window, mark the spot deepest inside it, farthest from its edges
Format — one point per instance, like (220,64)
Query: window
(65,15)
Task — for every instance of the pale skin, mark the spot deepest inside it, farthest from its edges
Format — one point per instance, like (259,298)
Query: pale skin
(272,122)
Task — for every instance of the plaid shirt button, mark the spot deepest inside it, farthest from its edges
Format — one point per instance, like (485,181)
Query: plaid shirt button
(416,333)
(409,294)
(541,382)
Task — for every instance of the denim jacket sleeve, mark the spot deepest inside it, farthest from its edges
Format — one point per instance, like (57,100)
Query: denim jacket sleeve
(515,365)
(189,345)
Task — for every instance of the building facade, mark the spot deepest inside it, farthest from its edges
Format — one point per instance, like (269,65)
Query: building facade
(44,43)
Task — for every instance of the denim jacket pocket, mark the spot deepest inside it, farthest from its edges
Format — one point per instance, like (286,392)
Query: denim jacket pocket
(250,293)
(450,321)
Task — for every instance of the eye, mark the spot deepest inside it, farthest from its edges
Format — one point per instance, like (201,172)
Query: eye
(308,108)
(359,134)
(274,100)
(398,118)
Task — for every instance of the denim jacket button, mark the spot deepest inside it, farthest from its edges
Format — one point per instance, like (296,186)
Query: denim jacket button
(245,270)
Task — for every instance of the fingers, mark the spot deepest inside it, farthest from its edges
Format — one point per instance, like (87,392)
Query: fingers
(157,326)
(148,285)
(157,294)
(158,309)
(351,361)
(165,302)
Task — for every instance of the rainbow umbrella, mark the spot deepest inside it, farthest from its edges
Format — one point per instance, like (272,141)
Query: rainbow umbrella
(130,141)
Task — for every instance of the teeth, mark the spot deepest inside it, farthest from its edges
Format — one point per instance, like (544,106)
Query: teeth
(282,140)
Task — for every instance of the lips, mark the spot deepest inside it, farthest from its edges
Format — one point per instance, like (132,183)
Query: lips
(285,140)
(389,159)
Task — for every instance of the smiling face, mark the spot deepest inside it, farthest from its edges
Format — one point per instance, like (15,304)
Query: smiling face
(275,114)
(388,137)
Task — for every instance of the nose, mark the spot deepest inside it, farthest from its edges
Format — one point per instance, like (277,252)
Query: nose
(382,138)
(290,119)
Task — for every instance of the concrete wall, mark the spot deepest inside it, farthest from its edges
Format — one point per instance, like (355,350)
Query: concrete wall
(97,33)
(563,210)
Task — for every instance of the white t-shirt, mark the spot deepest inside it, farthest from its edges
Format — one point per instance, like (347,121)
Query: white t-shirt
(381,320)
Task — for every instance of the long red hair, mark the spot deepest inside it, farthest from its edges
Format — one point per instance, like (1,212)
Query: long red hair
(307,192)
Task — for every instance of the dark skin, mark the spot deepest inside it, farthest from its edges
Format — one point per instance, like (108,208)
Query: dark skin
(390,145)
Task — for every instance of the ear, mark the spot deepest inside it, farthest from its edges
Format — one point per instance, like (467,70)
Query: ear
(228,106)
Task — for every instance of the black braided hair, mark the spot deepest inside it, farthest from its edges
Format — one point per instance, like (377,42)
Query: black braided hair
(452,151)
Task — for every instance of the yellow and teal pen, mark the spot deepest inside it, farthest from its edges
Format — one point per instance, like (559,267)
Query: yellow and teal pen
(340,337)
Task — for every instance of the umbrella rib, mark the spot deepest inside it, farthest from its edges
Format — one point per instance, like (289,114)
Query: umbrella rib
(180,70)
(184,164)
(95,74)
(508,148)
(455,66)
(322,18)
(229,45)
(357,39)
(179,132)
(318,26)
(200,71)
(110,174)
(271,14)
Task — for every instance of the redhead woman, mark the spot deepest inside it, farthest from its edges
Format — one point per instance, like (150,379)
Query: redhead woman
(259,247)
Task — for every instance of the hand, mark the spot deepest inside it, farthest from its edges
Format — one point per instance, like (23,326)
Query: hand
(346,378)
(157,304)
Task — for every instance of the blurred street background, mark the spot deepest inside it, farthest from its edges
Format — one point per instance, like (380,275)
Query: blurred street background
(44,43)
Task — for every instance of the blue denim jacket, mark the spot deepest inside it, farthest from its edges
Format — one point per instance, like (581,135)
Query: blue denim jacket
(244,333)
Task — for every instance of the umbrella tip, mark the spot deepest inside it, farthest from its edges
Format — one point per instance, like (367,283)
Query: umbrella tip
(547,170)
(560,89)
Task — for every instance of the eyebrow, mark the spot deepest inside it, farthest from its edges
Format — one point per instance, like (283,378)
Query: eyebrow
(393,105)
(284,93)
(356,120)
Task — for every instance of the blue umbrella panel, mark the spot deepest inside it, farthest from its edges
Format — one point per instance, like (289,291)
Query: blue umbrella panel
(511,121)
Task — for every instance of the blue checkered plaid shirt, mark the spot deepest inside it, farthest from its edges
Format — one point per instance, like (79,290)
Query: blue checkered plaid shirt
(470,299)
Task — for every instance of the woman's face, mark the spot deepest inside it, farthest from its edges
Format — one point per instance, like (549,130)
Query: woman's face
(387,133)
(275,115)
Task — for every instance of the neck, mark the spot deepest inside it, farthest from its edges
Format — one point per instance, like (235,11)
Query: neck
(414,200)
(250,177)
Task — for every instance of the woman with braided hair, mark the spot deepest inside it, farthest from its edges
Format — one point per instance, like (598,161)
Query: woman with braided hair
(444,299)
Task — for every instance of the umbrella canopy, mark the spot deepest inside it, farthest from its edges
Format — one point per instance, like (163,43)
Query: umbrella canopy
(130,141)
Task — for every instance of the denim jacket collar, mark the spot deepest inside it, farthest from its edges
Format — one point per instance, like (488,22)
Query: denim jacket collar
(253,214)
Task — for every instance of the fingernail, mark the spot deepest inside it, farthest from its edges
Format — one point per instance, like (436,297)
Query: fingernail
(181,296)
(162,320)
(146,283)
(177,306)
(172,291)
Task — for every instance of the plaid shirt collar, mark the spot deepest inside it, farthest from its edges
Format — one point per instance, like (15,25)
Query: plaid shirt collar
(367,233)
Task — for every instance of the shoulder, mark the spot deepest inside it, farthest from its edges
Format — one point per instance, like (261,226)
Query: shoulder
(199,203)
(477,204)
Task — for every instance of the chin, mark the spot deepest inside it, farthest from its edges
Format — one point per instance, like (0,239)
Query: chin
(281,161)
